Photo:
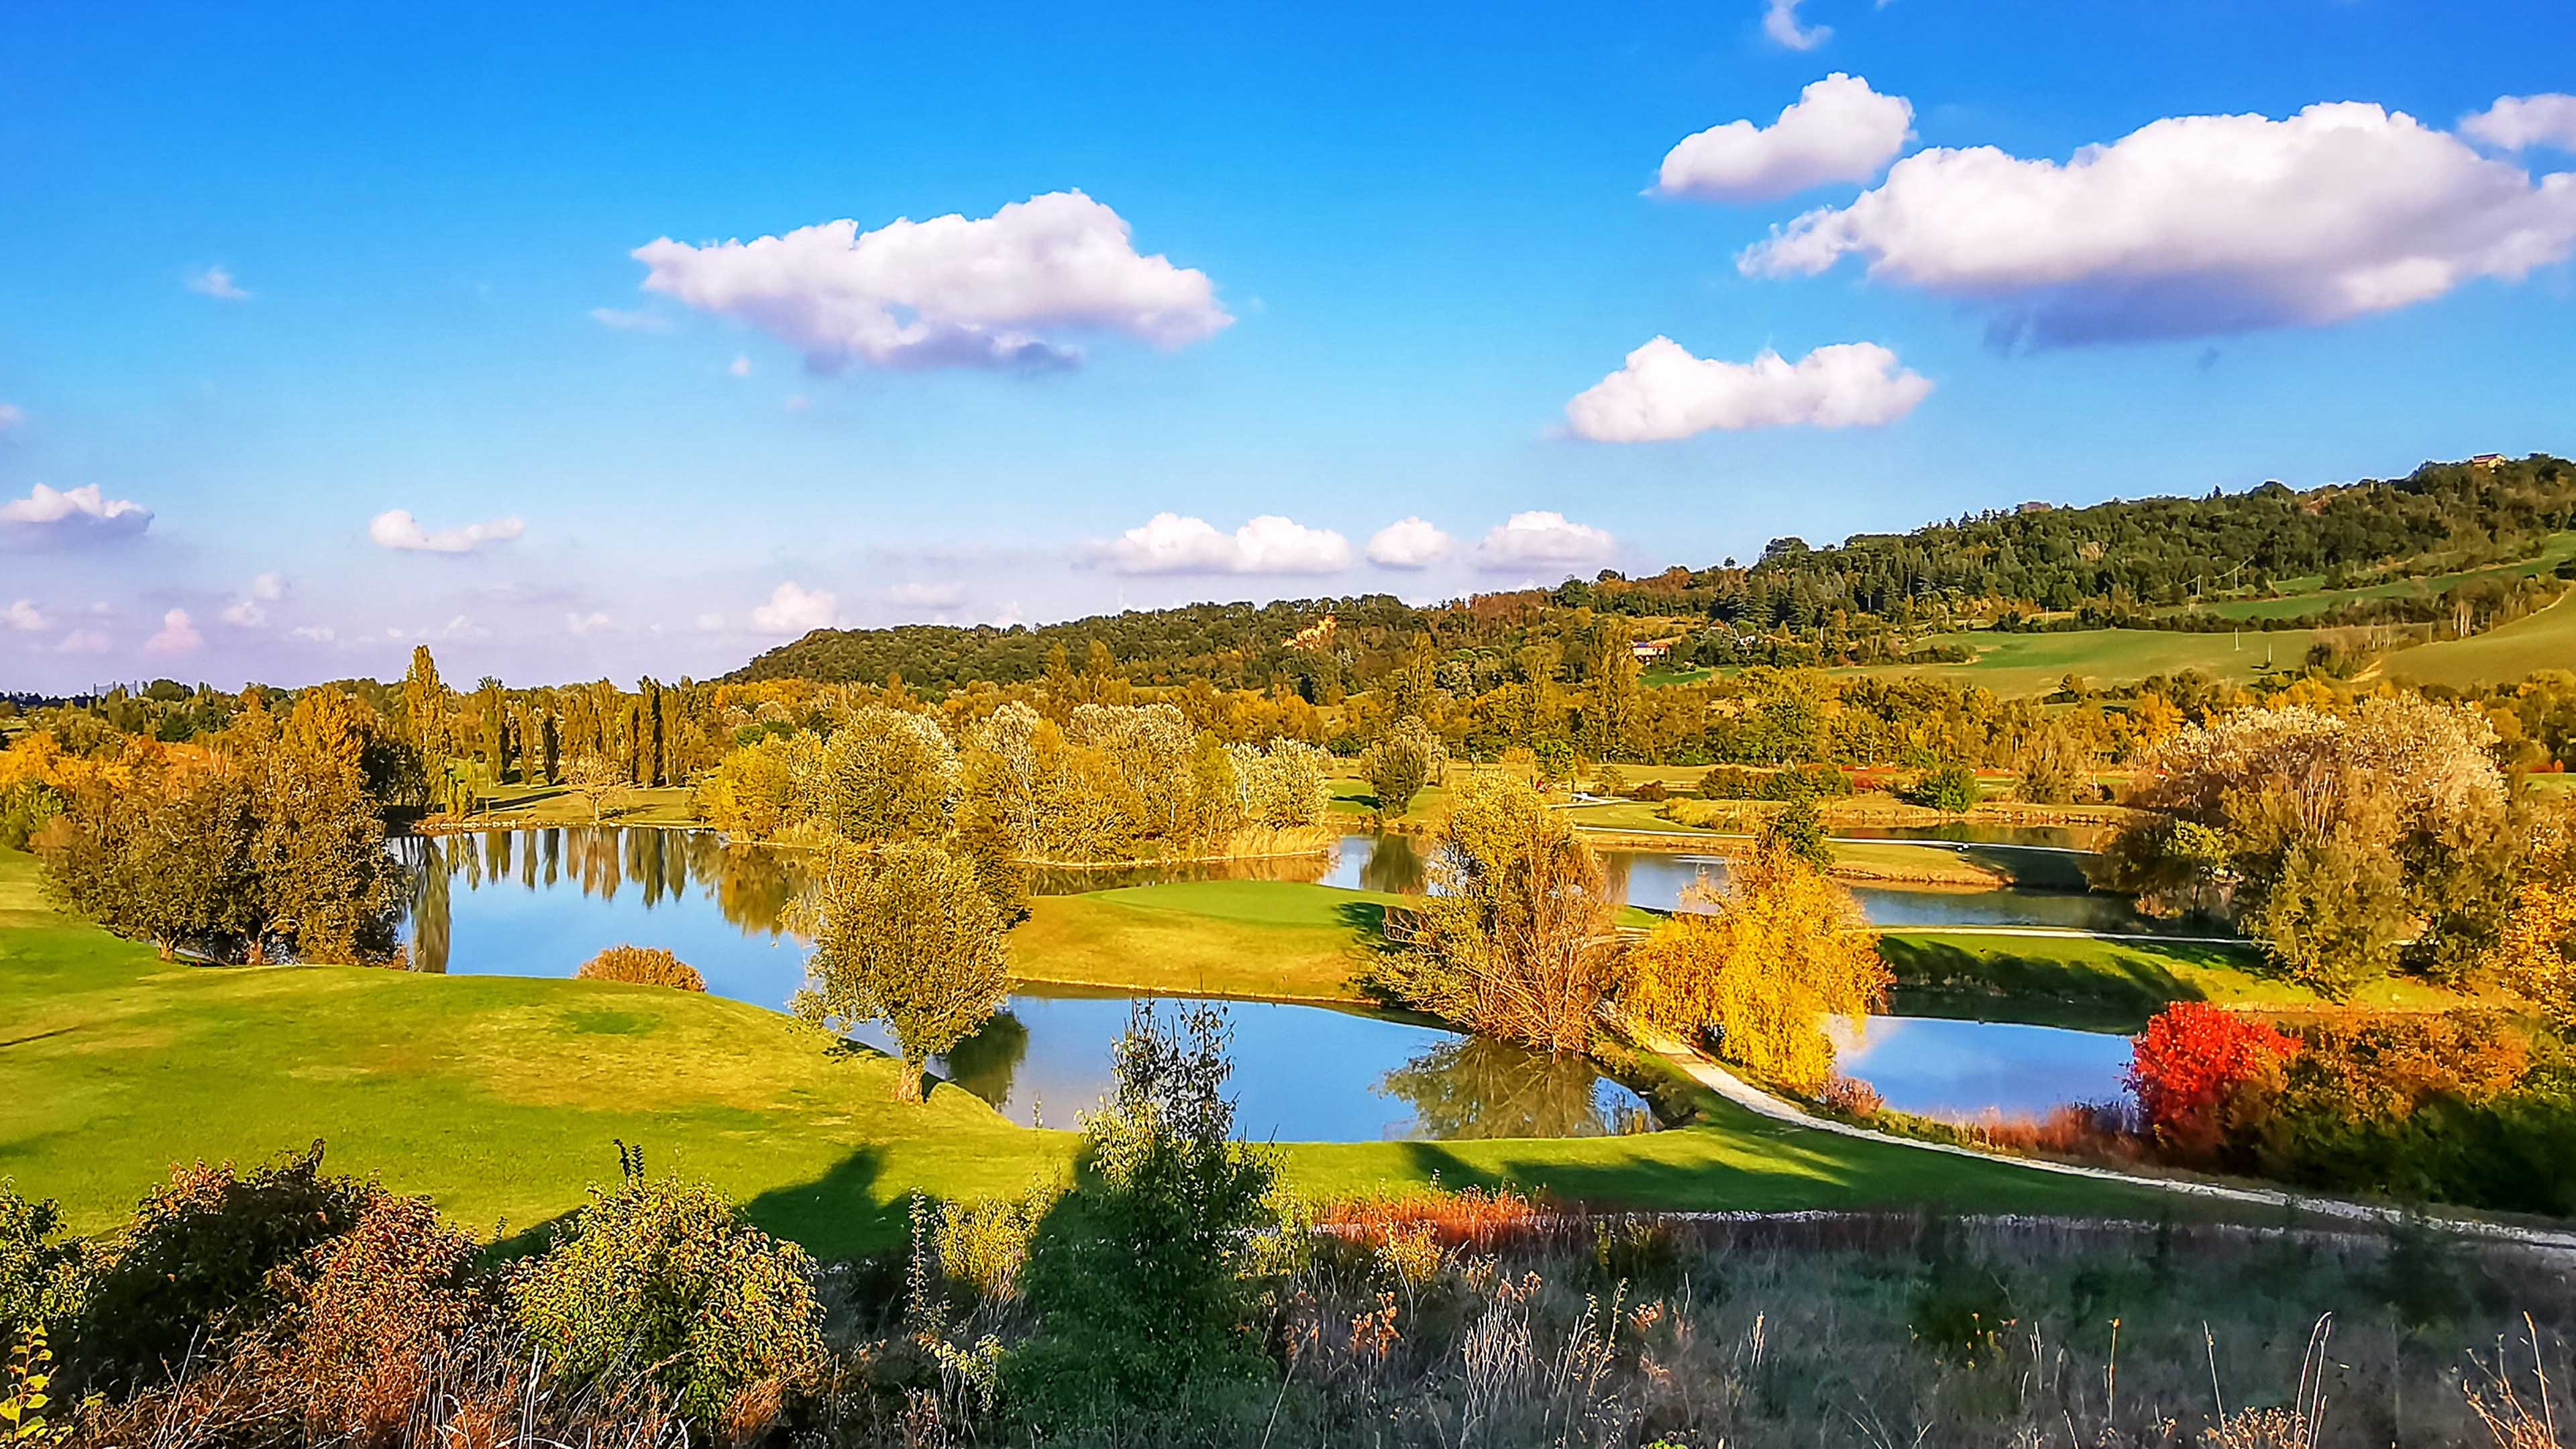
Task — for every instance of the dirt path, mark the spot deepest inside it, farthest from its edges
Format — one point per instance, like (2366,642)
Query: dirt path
(2558,1242)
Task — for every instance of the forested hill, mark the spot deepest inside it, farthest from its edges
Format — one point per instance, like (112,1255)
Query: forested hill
(2119,560)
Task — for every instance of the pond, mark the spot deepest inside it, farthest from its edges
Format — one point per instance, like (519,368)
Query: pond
(540,902)
(1657,879)
(1965,1071)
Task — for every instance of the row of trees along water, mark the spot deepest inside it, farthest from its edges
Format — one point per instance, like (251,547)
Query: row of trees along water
(1575,691)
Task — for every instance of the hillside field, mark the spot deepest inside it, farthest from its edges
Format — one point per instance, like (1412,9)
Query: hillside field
(2546,640)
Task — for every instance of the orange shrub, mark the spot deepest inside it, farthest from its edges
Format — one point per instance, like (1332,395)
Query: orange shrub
(383,1306)
(1473,1218)
(642,966)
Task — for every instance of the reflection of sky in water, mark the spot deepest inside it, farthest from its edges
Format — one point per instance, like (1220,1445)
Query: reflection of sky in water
(1967,1069)
(539,903)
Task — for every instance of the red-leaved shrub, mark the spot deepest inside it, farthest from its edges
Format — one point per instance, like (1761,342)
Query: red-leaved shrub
(2187,1061)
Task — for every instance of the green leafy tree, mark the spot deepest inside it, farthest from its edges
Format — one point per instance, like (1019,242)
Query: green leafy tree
(1798,830)
(887,774)
(1143,1276)
(1400,764)
(664,1277)
(908,936)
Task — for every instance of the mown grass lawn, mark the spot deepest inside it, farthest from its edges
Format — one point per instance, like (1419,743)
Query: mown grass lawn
(517,805)
(500,1098)
(2019,665)
(2097,985)
(1269,939)
(2502,655)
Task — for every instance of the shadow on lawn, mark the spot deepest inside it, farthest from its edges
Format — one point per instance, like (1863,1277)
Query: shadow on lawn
(2117,989)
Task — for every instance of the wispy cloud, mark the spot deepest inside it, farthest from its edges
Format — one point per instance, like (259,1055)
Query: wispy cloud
(217,282)
(396,529)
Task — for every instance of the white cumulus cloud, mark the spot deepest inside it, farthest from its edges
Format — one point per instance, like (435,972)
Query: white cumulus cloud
(70,516)
(2519,123)
(251,609)
(621,319)
(2195,226)
(1168,543)
(23,617)
(315,633)
(940,595)
(396,529)
(947,292)
(1780,22)
(1663,392)
(178,635)
(795,609)
(1536,538)
(1408,543)
(1837,130)
(218,283)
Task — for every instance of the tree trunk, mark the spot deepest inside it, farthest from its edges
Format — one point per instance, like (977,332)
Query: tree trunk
(907,1082)
(164,947)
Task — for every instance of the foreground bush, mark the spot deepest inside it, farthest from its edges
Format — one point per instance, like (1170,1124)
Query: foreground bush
(663,1278)
(43,1278)
(376,1314)
(1141,1275)
(642,966)
(208,1258)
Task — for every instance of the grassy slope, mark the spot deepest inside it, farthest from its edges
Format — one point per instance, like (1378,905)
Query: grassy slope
(2315,599)
(2546,640)
(2015,665)
(1214,938)
(2098,985)
(499,1096)
(553,805)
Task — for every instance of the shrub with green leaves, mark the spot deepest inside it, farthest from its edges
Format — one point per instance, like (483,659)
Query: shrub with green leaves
(1950,789)
(663,1277)
(201,1258)
(42,1276)
(1142,1275)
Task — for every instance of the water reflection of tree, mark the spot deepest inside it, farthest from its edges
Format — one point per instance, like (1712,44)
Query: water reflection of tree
(988,1062)
(1393,865)
(750,886)
(1478,1087)
(431,912)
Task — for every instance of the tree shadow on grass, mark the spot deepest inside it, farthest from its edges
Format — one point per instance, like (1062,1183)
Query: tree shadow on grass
(2117,989)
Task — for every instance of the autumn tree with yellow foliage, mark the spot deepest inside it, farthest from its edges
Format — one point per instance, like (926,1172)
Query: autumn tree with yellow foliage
(1779,949)
(2535,953)
(1516,937)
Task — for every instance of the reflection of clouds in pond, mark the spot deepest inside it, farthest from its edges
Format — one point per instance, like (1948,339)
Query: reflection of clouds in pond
(1971,1069)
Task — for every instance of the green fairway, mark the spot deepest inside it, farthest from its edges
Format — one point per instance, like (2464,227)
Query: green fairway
(2545,640)
(2015,665)
(2555,549)
(555,805)
(2097,985)
(500,1097)
(1212,938)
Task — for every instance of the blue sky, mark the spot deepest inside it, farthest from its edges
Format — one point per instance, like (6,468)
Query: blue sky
(274,273)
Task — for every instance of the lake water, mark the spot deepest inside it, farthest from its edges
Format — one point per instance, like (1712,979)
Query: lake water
(1968,1070)
(541,902)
